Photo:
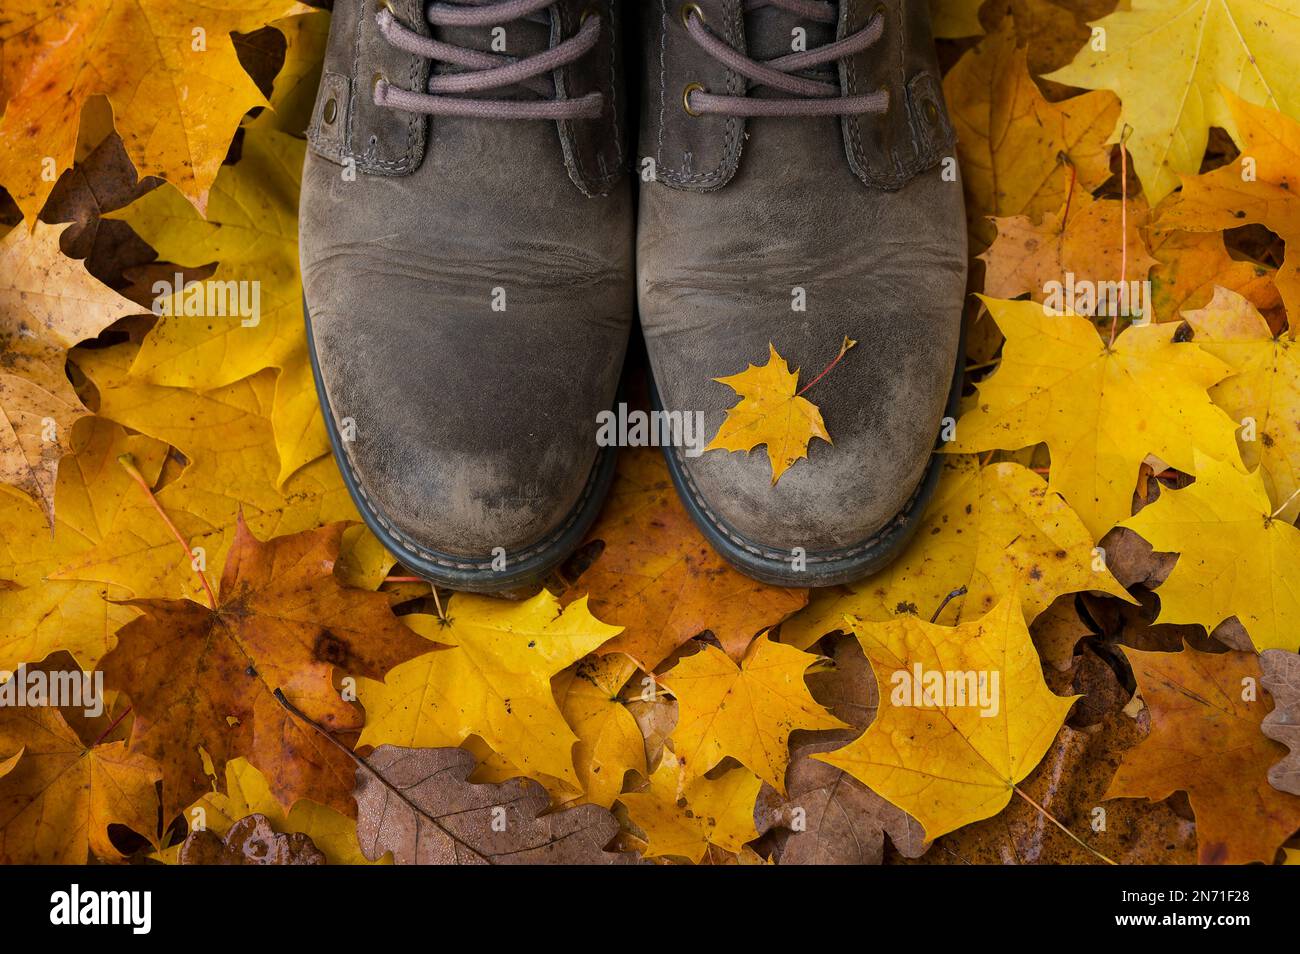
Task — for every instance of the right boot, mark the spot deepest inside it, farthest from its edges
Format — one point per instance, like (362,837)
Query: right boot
(466,244)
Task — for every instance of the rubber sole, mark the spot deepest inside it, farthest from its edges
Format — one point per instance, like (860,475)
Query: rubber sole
(821,567)
(470,574)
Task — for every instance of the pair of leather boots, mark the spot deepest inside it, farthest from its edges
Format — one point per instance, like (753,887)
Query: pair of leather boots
(481,224)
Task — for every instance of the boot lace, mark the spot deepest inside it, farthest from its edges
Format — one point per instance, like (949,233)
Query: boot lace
(808,97)
(480,72)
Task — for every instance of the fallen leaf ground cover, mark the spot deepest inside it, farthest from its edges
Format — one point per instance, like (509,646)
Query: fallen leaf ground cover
(1087,654)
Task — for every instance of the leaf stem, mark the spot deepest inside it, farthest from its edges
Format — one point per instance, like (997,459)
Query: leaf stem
(109,731)
(844,349)
(128,464)
(1048,815)
(1123,219)
(960,591)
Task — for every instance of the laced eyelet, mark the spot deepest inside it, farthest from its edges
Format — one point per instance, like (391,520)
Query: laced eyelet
(687,9)
(588,13)
(382,5)
(375,82)
(686,98)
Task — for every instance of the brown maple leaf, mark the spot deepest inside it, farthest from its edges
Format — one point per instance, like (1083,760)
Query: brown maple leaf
(660,580)
(1205,740)
(199,676)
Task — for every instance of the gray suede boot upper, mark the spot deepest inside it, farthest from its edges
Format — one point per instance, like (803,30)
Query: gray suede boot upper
(466,255)
(850,201)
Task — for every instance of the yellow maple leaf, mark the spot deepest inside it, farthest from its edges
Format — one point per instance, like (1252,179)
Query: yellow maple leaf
(745,712)
(1101,408)
(215,333)
(39,616)
(1167,58)
(233,465)
(169,72)
(683,818)
(1011,140)
(248,793)
(989,529)
(949,758)
(1235,557)
(609,742)
(770,413)
(1263,394)
(1261,186)
(494,681)
(58,799)
(48,303)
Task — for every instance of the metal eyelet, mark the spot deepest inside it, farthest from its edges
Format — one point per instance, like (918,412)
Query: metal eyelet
(686,98)
(374,85)
(690,8)
(588,13)
(331,110)
(931,111)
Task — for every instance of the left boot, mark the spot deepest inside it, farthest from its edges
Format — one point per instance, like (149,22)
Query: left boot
(803,153)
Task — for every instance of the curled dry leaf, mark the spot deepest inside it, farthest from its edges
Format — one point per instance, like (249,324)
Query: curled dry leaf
(250,841)
(418,804)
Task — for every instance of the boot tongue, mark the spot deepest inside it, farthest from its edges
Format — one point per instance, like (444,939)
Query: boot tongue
(771,32)
(520,38)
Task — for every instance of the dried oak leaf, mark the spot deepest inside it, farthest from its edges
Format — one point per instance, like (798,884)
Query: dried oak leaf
(60,793)
(206,677)
(659,579)
(1205,740)
(418,804)
(48,303)
(1282,680)
(250,841)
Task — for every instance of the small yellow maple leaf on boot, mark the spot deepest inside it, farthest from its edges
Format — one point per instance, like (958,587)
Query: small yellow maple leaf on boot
(771,412)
